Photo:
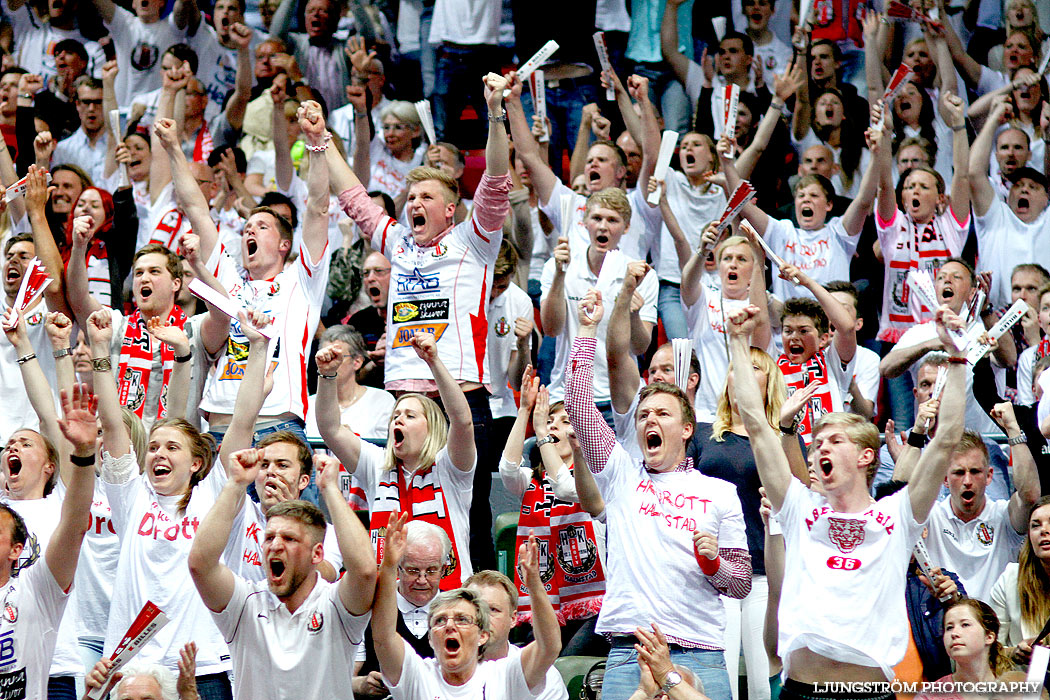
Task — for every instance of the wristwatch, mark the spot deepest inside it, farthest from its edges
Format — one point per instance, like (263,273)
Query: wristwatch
(672,679)
(544,440)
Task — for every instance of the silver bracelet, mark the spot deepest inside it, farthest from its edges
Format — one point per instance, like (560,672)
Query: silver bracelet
(497,119)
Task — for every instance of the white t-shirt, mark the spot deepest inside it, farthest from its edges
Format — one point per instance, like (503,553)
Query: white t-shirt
(1004,241)
(707,319)
(578,280)
(36,604)
(165,223)
(139,49)
(1025,368)
(41,516)
(976,551)
(843,593)
(155,543)
(824,255)
(389,174)
(554,688)
(774,57)
(35,40)
(368,417)
(456,485)
(502,679)
(635,241)
(693,209)
(866,373)
(97,568)
(293,299)
(278,654)
(217,64)
(976,418)
(465,22)
(151,101)
(243,554)
(504,310)
(651,518)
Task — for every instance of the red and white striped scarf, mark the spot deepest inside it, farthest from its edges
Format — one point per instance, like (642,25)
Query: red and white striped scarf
(136,363)
(797,377)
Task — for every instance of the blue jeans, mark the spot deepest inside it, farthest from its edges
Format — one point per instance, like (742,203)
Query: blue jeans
(61,688)
(458,83)
(297,428)
(565,104)
(666,91)
(901,398)
(214,686)
(672,314)
(621,670)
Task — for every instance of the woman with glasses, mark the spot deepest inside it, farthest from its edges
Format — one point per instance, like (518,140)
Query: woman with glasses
(459,629)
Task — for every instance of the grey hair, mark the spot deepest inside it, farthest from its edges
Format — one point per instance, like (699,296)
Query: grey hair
(163,676)
(417,531)
(446,599)
(401,110)
(345,334)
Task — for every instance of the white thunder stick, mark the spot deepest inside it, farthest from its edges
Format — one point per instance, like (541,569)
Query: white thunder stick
(603,58)
(539,101)
(938,388)
(1012,316)
(426,117)
(1037,664)
(535,62)
(683,356)
(567,201)
(19,188)
(804,8)
(146,624)
(719,25)
(114,129)
(225,304)
(922,284)
(731,103)
(668,143)
(922,558)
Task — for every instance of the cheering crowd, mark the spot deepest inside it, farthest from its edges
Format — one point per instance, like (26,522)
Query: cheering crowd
(746,304)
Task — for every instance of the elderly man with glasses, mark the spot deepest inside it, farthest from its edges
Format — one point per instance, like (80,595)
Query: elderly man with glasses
(459,628)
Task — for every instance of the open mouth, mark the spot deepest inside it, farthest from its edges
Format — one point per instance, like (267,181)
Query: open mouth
(905,105)
(1023,203)
(276,568)
(732,276)
(399,437)
(594,176)
(795,349)
(967,496)
(829,114)
(252,246)
(653,440)
(161,470)
(947,293)
(146,292)
(14,465)
(418,221)
(806,211)
(134,163)
(915,203)
(601,239)
(826,466)
(374,291)
(12,274)
(452,645)
(690,159)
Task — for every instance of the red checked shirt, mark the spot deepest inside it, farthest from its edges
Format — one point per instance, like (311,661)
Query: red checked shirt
(645,507)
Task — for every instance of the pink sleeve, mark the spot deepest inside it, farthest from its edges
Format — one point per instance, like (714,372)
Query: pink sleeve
(733,577)
(491,201)
(365,213)
(882,223)
(595,436)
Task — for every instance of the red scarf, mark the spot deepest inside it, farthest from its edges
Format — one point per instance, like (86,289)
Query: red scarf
(569,563)
(202,145)
(815,369)
(423,499)
(136,363)
(925,250)
(1043,349)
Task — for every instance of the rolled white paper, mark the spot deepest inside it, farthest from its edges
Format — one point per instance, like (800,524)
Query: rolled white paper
(1013,315)
(922,284)
(922,558)
(603,58)
(225,304)
(535,62)
(667,145)
(427,119)
(1037,664)
(938,387)
(804,8)
(683,352)
(719,24)
(19,188)
(567,201)
(114,128)
(732,109)
(539,101)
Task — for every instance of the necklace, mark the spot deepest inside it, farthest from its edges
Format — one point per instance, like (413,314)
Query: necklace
(359,391)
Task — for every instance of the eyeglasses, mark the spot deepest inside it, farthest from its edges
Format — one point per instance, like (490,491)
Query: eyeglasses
(90,103)
(377,271)
(413,572)
(460,621)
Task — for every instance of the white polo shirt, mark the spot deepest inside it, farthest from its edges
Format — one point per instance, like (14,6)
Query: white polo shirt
(279,654)
(502,679)
(843,592)
(1004,241)
(578,280)
(977,551)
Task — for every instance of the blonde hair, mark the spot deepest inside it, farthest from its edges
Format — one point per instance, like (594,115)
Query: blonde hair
(437,432)
(860,431)
(611,198)
(731,242)
(1033,582)
(776,392)
(424,173)
(137,434)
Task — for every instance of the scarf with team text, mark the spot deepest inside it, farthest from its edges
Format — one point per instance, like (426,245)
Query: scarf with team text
(569,563)
(797,377)
(136,363)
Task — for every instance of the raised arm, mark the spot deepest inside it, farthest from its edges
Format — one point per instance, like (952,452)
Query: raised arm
(340,439)
(242,87)
(900,358)
(106,8)
(669,41)
(693,270)
(883,159)
(525,146)
(624,378)
(860,208)
(36,386)
(539,655)
(253,387)
(595,436)
(586,487)
(929,474)
(841,319)
(762,333)
(758,219)
(982,194)
(874,43)
(283,168)
(953,113)
(553,306)
(773,468)
(44,242)
(784,86)
(315,221)
(178,387)
(172,83)
(357,587)
(79,429)
(1024,472)
(388,644)
(76,272)
(187,191)
(638,86)
(497,148)
(99,332)
(361,158)
(461,448)
(109,103)
(510,469)
(970,68)
(214,581)
(187,15)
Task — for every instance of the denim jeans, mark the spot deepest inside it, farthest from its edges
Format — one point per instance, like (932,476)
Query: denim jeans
(565,103)
(61,688)
(458,83)
(666,91)
(901,398)
(621,670)
(672,313)
(214,686)
(297,428)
